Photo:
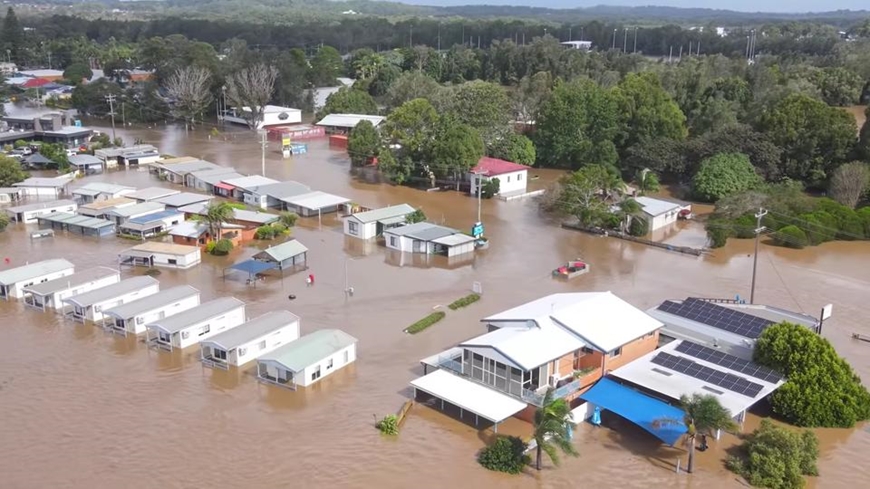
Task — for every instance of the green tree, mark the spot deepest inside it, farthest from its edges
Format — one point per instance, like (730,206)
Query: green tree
(4,221)
(507,454)
(56,152)
(457,147)
(849,183)
(839,86)
(222,247)
(776,457)
(576,126)
(581,194)
(77,73)
(762,152)
(363,143)
(416,216)
(791,237)
(490,188)
(10,171)
(397,170)
(821,389)
(647,111)
(12,35)
(90,98)
(326,66)
(552,423)
(703,415)
(514,147)
(412,85)
(288,219)
(481,105)
(412,126)
(862,149)
(814,137)
(216,215)
(647,181)
(530,94)
(349,101)
(724,174)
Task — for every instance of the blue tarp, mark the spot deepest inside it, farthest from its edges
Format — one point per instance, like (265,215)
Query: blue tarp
(638,408)
(254,267)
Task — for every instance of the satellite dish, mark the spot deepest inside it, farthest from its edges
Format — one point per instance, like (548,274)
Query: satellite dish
(283,116)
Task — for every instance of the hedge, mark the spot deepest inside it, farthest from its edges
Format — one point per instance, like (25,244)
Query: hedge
(463,302)
(507,454)
(425,322)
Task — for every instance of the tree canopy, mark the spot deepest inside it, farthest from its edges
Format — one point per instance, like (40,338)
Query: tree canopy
(363,143)
(646,110)
(10,171)
(349,101)
(776,457)
(722,175)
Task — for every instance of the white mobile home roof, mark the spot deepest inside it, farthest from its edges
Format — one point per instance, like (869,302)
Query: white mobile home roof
(249,182)
(84,160)
(150,247)
(185,167)
(96,188)
(316,200)
(56,182)
(309,349)
(285,250)
(657,207)
(137,209)
(182,199)
(349,120)
(152,193)
(33,270)
(79,220)
(282,190)
(123,287)
(525,346)
(384,213)
(41,205)
(252,216)
(198,314)
(107,204)
(482,401)
(152,302)
(253,329)
(70,281)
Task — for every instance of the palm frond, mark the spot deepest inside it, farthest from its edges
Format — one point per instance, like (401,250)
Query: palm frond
(551,452)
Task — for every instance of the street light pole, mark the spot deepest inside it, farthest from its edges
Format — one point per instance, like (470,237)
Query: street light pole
(758,230)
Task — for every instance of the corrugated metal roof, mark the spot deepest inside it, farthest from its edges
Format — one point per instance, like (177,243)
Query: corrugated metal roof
(56,182)
(309,349)
(113,291)
(155,301)
(157,216)
(282,190)
(250,182)
(150,247)
(70,281)
(384,213)
(102,188)
(42,205)
(186,167)
(255,328)
(198,314)
(79,220)
(33,270)
(152,193)
(182,199)
(84,160)
(283,251)
(349,120)
(657,207)
(316,200)
(137,209)
(255,217)
(425,231)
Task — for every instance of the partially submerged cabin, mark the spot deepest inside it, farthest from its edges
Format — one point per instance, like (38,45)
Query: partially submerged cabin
(77,224)
(29,213)
(50,295)
(14,280)
(196,324)
(308,359)
(371,224)
(133,316)
(154,254)
(247,342)
(89,306)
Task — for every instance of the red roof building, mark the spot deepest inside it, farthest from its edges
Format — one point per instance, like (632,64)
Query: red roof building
(35,83)
(491,167)
(512,177)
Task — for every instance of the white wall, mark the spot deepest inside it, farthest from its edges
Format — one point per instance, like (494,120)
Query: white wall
(663,220)
(461,249)
(508,182)
(263,345)
(364,230)
(16,290)
(55,300)
(95,312)
(196,332)
(136,325)
(304,378)
(29,217)
(182,261)
(406,244)
(41,191)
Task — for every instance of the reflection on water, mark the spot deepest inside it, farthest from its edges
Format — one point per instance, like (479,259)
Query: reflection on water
(117,410)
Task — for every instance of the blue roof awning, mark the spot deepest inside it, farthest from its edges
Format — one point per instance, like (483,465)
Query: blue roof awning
(638,408)
(254,267)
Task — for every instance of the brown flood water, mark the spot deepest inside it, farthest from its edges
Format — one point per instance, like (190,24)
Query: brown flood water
(83,409)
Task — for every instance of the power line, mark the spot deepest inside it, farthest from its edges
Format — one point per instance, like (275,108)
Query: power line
(111,100)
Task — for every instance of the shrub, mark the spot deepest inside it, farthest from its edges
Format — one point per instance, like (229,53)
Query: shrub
(237,205)
(744,226)
(465,301)
(864,215)
(19,143)
(490,188)
(638,227)
(289,219)
(822,390)
(776,457)
(425,322)
(389,425)
(222,247)
(507,454)
(718,232)
(4,221)
(415,217)
(209,247)
(265,232)
(724,174)
(790,236)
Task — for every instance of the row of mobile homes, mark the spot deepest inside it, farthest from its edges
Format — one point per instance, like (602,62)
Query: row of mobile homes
(247,342)
(140,154)
(95,191)
(308,359)
(151,225)
(428,238)
(197,324)
(151,193)
(168,255)
(370,224)
(86,164)
(9,195)
(90,306)
(176,170)
(132,317)
(77,224)
(50,295)
(102,208)
(14,280)
(286,256)
(44,187)
(123,214)
(206,180)
(29,213)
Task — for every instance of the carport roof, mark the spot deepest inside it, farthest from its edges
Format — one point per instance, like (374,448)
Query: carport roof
(475,398)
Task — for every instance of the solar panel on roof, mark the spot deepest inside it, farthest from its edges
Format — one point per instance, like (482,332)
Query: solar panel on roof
(717,316)
(730,362)
(725,380)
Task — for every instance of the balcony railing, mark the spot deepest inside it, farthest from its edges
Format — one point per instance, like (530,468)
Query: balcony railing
(537,397)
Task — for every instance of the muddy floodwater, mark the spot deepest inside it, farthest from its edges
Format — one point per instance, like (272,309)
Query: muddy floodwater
(80,408)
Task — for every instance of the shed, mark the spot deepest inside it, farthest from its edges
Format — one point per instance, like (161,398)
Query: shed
(89,306)
(50,295)
(308,359)
(86,164)
(151,193)
(29,213)
(197,324)
(247,342)
(660,212)
(14,280)
(39,161)
(286,255)
(44,187)
(151,224)
(133,316)
(182,199)
(77,224)
(153,254)
(314,203)
(370,224)
(343,123)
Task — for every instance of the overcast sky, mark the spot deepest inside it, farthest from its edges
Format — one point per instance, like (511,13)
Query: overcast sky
(742,5)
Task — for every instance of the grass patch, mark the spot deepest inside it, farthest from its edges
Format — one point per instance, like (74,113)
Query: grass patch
(425,322)
(465,301)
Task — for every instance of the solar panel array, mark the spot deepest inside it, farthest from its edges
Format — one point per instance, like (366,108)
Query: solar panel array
(730,362)
(725,380)
(717,316)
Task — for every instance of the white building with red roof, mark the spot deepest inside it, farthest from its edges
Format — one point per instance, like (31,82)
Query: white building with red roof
(512,177)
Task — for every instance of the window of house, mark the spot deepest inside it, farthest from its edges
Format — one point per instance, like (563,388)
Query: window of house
(172,261)
(205,329)
(185,335)
(508,179)
(243,351)
(353,227)
(165,337)
(140,320)
(616,352)
(394,241)
(519,176)
(329,364)
(316,374)
(219,354)
(262,345)
(346,356)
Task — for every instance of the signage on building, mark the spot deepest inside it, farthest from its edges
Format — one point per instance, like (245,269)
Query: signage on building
(477,229)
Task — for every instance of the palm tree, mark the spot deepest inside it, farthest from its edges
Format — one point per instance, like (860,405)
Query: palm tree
(216,215)
(647,181)
(553,420)
(629,208)
(703,416)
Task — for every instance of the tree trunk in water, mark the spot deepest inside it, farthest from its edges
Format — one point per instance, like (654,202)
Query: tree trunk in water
(691,468)
(538,458)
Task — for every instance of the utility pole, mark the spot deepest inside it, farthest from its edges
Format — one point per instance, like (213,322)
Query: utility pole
(264,143)
(758,230)
(111,100)
(123,114)
(613,45)
(635,40)
(624,39)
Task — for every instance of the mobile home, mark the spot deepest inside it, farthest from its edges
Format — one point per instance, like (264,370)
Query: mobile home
(154,254)
(29,213)
(133,316)
(50,295)
(44,187)
(89,306)
(14,280)
(308,359)
(96,191)
(251,340)
(370,224)
(197,324)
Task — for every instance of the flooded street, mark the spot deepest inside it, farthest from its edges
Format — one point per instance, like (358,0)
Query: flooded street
(110,413)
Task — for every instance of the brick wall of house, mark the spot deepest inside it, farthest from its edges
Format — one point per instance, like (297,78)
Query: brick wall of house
(633,351)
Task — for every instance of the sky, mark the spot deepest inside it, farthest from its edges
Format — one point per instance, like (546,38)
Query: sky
(789,6)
